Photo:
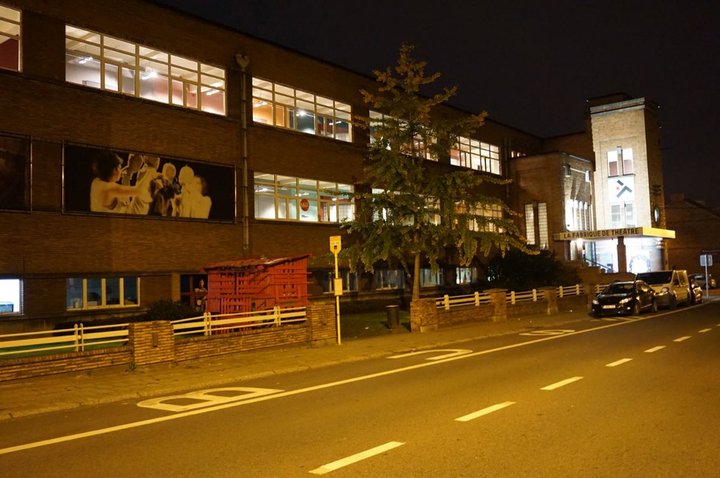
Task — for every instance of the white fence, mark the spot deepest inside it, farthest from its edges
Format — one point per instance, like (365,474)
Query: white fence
(208,324)
(77,339)
(511,297)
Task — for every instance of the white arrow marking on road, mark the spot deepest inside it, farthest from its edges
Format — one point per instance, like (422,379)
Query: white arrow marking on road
(484,411)
(355,458)
(205,398)
(453,353)
(561,383)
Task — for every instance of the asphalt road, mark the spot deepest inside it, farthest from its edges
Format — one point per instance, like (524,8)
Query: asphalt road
(629,397)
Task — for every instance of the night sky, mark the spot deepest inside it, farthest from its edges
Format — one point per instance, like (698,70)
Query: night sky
(530,65)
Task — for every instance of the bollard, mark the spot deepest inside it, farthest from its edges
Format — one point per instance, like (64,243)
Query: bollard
(393,316)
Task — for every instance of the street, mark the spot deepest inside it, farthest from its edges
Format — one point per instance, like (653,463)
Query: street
(633,396)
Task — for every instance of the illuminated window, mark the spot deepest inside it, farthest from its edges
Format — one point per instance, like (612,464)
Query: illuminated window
(101,61)
(10,297)
(536,225)
(473,154)
(622,215)
(465,275)
(428,278)
(296,199)
(420,146)
(9,38)
(389,279)
(349,281)
(102,292)
(287,107)
(620,162)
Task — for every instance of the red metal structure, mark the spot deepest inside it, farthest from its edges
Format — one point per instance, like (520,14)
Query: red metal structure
(246,285)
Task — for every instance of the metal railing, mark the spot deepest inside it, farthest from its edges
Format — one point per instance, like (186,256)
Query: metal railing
(78,339)
(476,299)
(209,324)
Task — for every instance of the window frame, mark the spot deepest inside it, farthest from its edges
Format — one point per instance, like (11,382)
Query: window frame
(12,18)
(288,107)
(145,66)
(75,301)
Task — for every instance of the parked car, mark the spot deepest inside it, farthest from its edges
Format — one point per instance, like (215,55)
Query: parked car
(700,279)
(625,297)
(672,287)
(696,296)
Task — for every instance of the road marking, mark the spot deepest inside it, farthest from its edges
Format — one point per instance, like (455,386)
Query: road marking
(702,331)
(205,398)
(561,383)
(655,349)
(224,406)
(681,339)
(548,332)
(618,362)
(484,411)
(453,353)
(335,465)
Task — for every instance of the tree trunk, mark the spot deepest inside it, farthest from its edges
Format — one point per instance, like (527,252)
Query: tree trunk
(416,278)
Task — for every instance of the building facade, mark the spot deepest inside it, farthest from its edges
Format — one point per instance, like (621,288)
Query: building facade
(139,145)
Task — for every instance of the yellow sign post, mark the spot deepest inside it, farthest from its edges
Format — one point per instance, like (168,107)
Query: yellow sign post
(335,248)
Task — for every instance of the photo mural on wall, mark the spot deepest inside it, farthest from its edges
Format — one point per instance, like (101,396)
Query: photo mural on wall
(106,181)
(14,160)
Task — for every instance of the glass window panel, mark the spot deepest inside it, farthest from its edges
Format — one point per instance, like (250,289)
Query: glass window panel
(130,291)
(10,296)
(112,291)
(128,81)
(153,54)
(177,92)
(213,101)
(262,112)
(212,71)
(94,292)
(183,73)
(111,77)
(285,100)
(80,51)
(9,13)
(260,83)
(304,95)
(284,90)
(184,62)
(120,58)
(320,100)
(114,43)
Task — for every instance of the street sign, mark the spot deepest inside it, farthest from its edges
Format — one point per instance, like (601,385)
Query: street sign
(706,260)
(335,244)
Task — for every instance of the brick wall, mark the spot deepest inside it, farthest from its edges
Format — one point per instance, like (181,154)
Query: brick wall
(153,342)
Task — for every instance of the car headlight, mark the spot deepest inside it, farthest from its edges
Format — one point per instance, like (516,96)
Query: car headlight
(625,301)
(596,302)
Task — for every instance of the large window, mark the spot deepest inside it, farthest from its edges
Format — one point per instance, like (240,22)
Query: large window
(101,61)
(9,39)
(622,215)
(10,296)
(420,146)
(465,275)
(620,161)
(474,154)
(297,199)
(287,107)
(389,279)
(349,281)
(430,278)
(99,292)
(536,225)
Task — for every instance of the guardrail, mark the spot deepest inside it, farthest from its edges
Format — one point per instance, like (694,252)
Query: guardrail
(209,324)
(78,339)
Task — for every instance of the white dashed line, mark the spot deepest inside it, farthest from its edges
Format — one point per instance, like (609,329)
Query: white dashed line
(484,411)
(704,331)
(655,349)
(681,339)
(618,362)
(335,465)
(561,383)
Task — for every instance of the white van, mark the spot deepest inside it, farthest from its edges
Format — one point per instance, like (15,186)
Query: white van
(672,287)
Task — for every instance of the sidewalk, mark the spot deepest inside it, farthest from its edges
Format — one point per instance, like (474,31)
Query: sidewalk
(26,397)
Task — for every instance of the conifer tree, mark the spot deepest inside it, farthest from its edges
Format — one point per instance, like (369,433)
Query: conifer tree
(413,209)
